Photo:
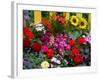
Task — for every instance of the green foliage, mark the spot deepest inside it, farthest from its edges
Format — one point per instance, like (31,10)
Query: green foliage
(45,14)
(57,26)
(74,34)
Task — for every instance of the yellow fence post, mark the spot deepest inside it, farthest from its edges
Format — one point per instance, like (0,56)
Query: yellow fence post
(37,17)
(89,21)
(51,14)
(67,16)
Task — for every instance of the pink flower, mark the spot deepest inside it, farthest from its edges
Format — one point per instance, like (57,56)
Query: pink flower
(44,48)
(51,40)
(55,60)
(61,51)
(68,47)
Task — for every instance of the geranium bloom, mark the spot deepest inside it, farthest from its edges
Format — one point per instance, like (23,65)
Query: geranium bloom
(71,42)
(26,43)
(44,48)
(83,23)
(56,17)
(74,52)
(74,20)
(50,53)
(44,64)
(60,19)
(36,46)
(81,40)
(28,33)
(78,59)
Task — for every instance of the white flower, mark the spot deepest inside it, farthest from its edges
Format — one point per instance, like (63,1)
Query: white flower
(39,27)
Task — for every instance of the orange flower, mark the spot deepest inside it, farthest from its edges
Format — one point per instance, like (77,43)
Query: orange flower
(47,23)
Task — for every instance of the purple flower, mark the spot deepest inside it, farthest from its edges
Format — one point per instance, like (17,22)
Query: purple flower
(51,40)
(26,14)
(46,38)
(88,38)
(68,47)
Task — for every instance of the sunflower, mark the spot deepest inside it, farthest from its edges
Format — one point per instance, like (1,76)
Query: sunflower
(74,20)
(83,23)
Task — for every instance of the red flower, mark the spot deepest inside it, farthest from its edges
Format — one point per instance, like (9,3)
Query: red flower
(26,43)
(71,42)
(50,53)
(60,19)
(74,52)
(81,40)
(36,46)
(72,55)
(78,59)
(56,17)
(27,32)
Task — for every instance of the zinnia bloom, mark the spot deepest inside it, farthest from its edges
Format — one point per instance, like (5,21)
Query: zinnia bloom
(44,64)
(83,23)
(27,32)
(36,46)
(74,20)
(50,53)
(26,43)
(81,40)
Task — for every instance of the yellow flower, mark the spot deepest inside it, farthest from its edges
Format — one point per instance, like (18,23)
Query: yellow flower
(74,20)
(44,64)
(83,23)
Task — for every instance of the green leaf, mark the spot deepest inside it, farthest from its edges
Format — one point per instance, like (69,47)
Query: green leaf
(74,34)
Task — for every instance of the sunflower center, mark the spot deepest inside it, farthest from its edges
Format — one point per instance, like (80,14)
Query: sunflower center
(82,23)
(74,20)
